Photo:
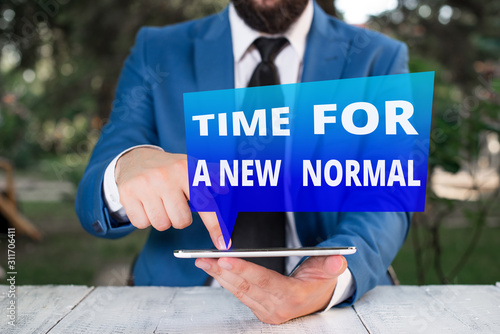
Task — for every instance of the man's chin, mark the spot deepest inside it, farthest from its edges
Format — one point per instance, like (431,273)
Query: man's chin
(270,16)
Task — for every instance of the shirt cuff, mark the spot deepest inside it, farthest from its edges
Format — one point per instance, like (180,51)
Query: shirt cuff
(110,189)
(344,289)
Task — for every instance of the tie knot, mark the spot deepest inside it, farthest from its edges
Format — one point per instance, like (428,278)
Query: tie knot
(269,47)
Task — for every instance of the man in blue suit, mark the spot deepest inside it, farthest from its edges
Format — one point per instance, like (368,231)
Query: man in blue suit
(137,175)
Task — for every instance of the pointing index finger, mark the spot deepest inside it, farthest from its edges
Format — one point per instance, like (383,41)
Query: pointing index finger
(212,224)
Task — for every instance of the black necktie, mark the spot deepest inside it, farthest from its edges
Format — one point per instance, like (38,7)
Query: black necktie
(263,229)
(266,72)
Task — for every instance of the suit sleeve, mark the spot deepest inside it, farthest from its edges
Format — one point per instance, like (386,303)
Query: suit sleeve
(378,237)
(131,123)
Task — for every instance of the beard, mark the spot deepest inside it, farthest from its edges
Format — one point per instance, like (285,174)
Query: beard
(275,18)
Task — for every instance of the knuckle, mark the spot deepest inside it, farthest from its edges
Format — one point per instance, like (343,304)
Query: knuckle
(186,218)
(179,212)
(263,282)
(162,225)
(180,164)
(140,224)
(216,272)
(156,215)
(182,222)
(152,179)
(133,216)
(244,286)
(155,175)
(238,294)
(159,219)
(242,289)
(130,188)
(139,180)
(179,170)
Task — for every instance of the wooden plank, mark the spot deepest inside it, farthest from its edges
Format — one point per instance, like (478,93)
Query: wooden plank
(477,307)
(119,310)
(215,310)
(407,309)
(389,309)
(186,310)
(39,308)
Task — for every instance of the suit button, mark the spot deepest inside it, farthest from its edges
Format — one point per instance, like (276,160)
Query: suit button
(97,225)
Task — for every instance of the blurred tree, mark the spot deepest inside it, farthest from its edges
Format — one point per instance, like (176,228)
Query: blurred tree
(59,63)
(460,41)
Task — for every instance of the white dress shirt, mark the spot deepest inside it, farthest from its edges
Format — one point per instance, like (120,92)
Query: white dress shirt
(289,63)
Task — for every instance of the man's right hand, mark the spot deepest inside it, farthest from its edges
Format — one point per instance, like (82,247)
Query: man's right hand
(154,190)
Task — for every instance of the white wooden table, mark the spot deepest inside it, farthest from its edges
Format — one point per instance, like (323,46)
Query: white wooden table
(391,309)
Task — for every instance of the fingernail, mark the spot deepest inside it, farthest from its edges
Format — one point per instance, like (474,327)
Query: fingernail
(222,244)
(225,265)
(202,265)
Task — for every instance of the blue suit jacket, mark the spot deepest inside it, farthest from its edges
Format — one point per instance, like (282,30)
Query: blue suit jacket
(148,109)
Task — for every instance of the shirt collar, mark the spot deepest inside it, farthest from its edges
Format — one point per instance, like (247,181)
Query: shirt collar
(243,36)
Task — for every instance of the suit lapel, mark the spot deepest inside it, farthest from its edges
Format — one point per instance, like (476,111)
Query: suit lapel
(325,56)
(326,50)
(213,54)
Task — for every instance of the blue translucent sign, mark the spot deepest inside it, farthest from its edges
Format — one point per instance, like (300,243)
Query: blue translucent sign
(342,145)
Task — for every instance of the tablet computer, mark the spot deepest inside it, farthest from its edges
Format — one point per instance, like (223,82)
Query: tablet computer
(270,252)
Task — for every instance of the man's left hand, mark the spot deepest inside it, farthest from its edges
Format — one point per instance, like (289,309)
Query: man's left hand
(275,298)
